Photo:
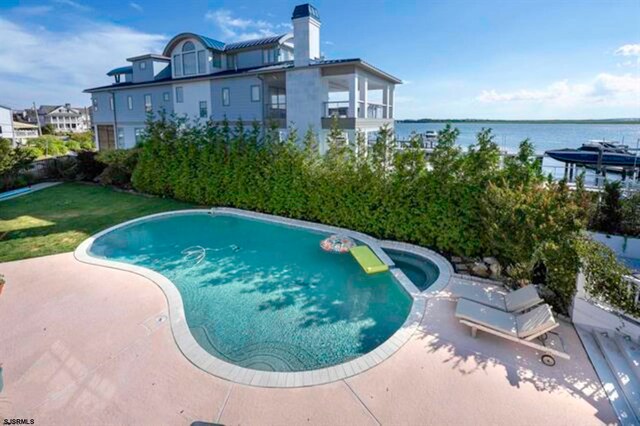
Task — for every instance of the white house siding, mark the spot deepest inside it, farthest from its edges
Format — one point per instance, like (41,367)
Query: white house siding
(6,123)
(240,106)
(306,93)
(193,93)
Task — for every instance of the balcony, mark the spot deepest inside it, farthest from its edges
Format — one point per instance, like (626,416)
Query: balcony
(277,113)
(338,109)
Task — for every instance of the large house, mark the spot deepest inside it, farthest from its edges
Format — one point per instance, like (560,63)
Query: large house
(281,79)
(63,118)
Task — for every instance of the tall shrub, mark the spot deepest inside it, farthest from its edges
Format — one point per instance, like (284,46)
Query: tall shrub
(457,202)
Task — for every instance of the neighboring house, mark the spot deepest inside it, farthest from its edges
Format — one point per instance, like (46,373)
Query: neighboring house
(6,123)
(63,118)
(24,131)
(281,79)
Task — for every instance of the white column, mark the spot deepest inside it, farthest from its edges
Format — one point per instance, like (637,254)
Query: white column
(385,102)
(391,106)
(353,96)
(365,96)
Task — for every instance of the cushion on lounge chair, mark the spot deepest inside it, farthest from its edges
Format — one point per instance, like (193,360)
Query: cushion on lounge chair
(535,322)
(478,313)
(480,293)
(521,299)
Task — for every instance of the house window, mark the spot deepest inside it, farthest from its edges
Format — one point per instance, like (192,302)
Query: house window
(189,58)
(216,60)
(142,65)
(95,104)
(129,102)
(177,65)
(255,93)
(147,103)
(202,61)
(269,56)
(203,109)
(226,96)
(231,62)
(165,96)
(138,132)
(179,95)
(120,138)
(111,102)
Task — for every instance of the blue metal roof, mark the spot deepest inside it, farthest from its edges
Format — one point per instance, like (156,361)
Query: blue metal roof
(121,70)
(253,43)
(220,46)
(304,10)
(211,43)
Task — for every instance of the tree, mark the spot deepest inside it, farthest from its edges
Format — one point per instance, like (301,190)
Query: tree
(48,129)
(609,215)
(13,161)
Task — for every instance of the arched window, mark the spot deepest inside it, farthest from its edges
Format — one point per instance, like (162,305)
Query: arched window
(189,58)
(188,47)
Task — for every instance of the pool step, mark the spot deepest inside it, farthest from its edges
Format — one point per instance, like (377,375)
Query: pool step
(631,351)
(625,375)
(609,382)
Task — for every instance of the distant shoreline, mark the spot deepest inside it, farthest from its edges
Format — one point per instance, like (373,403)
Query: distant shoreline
(470,120)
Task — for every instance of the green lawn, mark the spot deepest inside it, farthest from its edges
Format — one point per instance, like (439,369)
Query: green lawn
(57,219)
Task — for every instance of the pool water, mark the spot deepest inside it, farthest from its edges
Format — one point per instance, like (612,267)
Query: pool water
(262,295)
(422,272)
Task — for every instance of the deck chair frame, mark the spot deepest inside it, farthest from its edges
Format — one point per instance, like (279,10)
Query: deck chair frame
(549,353)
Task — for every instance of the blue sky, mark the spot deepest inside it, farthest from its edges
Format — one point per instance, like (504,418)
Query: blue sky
(507,59)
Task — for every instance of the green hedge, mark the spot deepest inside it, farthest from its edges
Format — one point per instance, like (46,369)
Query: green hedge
(461,203)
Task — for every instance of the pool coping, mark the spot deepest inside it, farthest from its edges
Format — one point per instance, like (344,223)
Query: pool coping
(211,364)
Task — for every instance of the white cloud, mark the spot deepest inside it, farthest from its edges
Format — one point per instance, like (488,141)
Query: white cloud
(629,50)
(233,28)
(603,89)
(74,4)
(136,6)
(83,55)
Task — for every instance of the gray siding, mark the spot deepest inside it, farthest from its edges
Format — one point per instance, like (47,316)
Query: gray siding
(146,74)
(240,105)
(249,58)
(151,72)
(104,114)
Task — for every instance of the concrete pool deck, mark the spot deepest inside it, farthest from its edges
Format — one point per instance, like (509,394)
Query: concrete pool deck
(84,344)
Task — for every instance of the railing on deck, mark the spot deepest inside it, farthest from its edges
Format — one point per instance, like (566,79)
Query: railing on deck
(375,110)
(338,109)
(276,111)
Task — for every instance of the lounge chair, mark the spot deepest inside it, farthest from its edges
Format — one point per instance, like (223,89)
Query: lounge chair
(524,328)
(515,301)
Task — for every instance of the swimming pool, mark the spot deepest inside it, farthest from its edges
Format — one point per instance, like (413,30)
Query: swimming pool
(421,271)
(262,295)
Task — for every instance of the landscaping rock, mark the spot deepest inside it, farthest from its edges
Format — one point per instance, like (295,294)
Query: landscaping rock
(481,270)
(461,267)
(490,261)
(456,259)
(495,269)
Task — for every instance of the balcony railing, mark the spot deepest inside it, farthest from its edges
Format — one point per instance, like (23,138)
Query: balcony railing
(338,109)
(276,111)
(375,111)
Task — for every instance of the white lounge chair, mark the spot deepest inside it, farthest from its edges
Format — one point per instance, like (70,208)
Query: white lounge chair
(515,301)
(523,328)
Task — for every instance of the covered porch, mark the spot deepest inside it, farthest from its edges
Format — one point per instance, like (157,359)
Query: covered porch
(358,99)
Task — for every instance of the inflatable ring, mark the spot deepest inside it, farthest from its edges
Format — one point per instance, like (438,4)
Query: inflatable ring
(337,244)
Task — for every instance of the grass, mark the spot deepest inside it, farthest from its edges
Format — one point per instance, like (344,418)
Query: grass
(57,219)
